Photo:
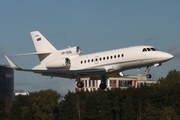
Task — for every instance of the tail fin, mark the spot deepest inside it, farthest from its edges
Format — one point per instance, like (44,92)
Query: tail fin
(41,43)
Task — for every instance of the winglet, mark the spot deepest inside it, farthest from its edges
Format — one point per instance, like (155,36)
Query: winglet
(13,65)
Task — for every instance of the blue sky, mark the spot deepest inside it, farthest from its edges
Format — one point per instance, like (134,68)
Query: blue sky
(93,25)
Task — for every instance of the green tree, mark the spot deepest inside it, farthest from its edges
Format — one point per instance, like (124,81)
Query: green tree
(168,113)
(2,109)
(97,106)
(116,97)
(21,108)
(129,112)
(68,107)
(159,101)
(44,104)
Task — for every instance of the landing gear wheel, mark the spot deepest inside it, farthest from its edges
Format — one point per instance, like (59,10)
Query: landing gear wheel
(102,86)
(148,76)
(80,84)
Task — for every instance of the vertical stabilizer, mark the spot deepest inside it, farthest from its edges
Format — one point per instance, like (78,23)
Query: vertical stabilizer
(41,43)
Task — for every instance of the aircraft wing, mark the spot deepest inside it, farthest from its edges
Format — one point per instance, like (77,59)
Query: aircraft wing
(55,72)
(70,72)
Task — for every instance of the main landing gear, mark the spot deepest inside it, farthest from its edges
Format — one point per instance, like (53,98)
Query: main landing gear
(80,84)
(103,85)
(103,82)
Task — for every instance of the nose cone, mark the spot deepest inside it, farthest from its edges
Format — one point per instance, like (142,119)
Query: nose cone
(168,56)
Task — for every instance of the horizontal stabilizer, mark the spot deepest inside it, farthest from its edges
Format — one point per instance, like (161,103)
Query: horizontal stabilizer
(36,53)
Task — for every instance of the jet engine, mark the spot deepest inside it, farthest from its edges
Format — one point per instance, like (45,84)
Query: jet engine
(71,51)
(59,63)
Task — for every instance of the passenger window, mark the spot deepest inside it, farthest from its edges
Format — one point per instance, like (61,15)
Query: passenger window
(88,61)
(111,57)
(107,57)
(91,60)
(104,58)
(84,61)
(100,59)
(122,55)
(118,56)
(114,56)
(81,62)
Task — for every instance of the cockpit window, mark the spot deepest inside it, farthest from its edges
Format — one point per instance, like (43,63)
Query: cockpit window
(156,49)
(153,49)
(144,49)
(148,49)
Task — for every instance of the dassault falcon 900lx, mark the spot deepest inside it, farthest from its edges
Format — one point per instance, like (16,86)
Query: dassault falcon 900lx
(68,63)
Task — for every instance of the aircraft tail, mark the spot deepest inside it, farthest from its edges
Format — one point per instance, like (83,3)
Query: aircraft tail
(42,45)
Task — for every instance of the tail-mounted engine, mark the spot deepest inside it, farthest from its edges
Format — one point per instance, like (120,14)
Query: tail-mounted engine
(59,63)
(64,62)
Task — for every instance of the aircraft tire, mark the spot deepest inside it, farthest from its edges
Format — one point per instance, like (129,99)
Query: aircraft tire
(148,75)
(102,86)
(80,84)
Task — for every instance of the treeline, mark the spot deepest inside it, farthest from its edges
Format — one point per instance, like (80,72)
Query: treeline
(160,101)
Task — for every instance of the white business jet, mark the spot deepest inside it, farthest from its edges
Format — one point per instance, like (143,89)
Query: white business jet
(68,63)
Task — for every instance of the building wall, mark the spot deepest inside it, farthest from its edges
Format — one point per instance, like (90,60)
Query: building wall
(116,82)
(7,82)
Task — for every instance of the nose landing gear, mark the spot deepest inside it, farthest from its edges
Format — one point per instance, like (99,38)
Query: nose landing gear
(148,68)
(148,75)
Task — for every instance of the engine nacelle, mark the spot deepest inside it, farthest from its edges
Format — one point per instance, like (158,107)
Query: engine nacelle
(59,63)
(71,51)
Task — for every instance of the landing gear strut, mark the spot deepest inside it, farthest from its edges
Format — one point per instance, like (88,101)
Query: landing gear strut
(103,82)
(148,68)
